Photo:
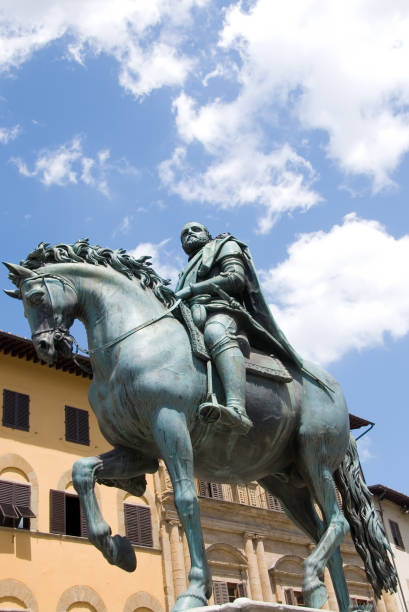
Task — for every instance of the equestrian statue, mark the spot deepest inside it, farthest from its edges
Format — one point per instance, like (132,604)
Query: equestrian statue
(204,379)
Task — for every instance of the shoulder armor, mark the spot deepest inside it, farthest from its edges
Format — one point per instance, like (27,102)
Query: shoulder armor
(230,249)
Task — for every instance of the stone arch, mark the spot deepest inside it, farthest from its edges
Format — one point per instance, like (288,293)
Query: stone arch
(292,564)
(226,550)
(11,460)
(227,563)
(80,593)
(149,499)
(65,482)
(287,572)
(142,600)
(17,590)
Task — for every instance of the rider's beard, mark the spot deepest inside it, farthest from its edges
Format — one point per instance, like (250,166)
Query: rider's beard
(193,244)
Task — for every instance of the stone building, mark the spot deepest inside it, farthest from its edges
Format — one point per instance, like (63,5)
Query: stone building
(48,565)
(393,508)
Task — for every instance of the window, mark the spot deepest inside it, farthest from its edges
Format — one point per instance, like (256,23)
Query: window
(15,501)
(66,516)
(76,425)
(396,535)
(367,604)
(210,489)
(273,503)
(16,410)
(225,592)
(138,524)
(293,597)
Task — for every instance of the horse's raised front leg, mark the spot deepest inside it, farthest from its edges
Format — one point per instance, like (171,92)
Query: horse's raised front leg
(173,439)
(126,469)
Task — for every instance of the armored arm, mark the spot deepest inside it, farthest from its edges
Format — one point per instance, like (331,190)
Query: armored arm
(232,273)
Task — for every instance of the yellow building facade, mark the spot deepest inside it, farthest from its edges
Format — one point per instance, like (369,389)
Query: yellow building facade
(46,563)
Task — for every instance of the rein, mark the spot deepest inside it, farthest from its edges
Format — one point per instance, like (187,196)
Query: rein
(60,333)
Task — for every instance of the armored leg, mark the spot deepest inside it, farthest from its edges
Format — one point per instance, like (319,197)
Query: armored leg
(220,340)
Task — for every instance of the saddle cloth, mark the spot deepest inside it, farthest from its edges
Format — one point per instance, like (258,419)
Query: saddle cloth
(257,363)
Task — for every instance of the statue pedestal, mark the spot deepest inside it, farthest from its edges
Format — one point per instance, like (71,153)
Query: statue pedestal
(243,604)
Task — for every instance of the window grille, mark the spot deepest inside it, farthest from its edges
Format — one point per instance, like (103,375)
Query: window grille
(273,503)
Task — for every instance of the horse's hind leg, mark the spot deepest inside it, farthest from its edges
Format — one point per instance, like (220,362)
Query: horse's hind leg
(317,474)
(299,506)
(126,469)
(173,439)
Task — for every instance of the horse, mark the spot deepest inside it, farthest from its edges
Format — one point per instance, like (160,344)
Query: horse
(145,392)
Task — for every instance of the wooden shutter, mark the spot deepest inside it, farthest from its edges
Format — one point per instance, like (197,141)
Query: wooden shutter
(242,493)
(22,500)
(57,511)
(396,534)
(76,425)
(220,592)
(273,503)
(6,500)
(242,589)
(203,488)
(16,411)
(289,597)
(227,492)
(138,524)
(216,490)
(252,494)
(83,520)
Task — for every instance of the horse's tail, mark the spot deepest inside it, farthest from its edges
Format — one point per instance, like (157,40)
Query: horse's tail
(366,528)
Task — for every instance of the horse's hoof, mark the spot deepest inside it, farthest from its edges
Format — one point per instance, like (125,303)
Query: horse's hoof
(186,601)
(316,597)
(125,557)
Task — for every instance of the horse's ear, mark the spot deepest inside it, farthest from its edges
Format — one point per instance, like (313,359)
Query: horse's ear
(14,293)
(20,271)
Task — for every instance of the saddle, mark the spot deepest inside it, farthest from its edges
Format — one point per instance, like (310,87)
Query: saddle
(257,362)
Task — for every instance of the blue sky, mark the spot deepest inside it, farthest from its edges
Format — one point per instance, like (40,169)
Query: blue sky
(284,123)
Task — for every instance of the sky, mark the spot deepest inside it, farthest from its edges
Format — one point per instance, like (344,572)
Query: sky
(283,123)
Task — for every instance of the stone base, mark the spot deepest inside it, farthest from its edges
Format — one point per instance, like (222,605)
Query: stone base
(243,604)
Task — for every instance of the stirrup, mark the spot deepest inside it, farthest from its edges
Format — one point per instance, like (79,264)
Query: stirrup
(210,411)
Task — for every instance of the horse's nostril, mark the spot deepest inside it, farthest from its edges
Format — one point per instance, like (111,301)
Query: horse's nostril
(43,345)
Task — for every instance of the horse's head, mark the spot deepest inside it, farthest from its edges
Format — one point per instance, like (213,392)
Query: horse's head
(49,305)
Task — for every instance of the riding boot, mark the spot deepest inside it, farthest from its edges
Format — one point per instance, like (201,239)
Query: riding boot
(231,368)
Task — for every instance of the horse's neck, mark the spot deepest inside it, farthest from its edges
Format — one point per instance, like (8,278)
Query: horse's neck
(109,303)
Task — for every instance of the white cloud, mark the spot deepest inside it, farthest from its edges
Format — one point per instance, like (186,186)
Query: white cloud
(342,290)
(67,164)
(161,258)
(8,134)
(340,67)
(276,182)
(144,36)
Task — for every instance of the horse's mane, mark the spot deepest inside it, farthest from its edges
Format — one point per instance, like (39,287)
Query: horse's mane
(118,259)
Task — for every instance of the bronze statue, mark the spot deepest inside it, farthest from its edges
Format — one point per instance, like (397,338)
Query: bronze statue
(221,287)
(147,385)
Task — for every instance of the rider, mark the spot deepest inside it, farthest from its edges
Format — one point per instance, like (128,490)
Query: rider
(221,287)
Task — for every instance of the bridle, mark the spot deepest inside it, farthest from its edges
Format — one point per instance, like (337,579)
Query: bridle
(62,334)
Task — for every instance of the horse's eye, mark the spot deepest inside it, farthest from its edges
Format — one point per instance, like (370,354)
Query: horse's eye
(36,297)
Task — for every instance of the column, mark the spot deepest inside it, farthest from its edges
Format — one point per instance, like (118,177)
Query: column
(380,605)
(178,562)
(254,578)
(332,598)
(186,554)
(262,570)
(167,567)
